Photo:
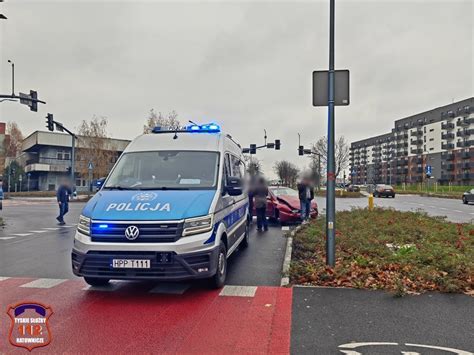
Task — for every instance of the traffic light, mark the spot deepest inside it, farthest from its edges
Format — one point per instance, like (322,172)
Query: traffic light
(253,149)
(277,144)
(50,122)
(300,150)
(34,102)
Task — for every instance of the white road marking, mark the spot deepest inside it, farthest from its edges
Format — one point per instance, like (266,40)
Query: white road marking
(22,234)
(6,238)
(432,206)
(51,229)
(457,211)
(356,345)
(455,351)
(43,283)
(37,231)
(3,278)
(238,291)
(285,228)
(442,208)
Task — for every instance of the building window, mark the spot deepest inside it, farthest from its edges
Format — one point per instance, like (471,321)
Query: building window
(424,129)
(432,129)
(424,147)
(66,156)
(59,156)
(431,139)
(424,139)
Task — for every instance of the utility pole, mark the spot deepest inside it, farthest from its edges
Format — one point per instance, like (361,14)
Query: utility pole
(331,177)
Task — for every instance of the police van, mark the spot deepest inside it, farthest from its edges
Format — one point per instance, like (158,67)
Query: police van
(174,207)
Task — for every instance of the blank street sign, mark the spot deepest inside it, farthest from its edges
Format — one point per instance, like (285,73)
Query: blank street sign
(341,87)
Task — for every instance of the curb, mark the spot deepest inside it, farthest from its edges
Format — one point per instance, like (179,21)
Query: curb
(285,280)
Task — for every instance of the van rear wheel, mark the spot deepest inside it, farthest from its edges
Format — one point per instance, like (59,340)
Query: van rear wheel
(218,280)
(96,281)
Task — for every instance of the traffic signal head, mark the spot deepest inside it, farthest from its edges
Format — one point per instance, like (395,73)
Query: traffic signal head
(253,149)
(300,150)
(50,122)
(277,144)
(34,102)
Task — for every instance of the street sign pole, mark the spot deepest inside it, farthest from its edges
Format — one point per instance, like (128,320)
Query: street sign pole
(90,167)
(331,177)
(73,162)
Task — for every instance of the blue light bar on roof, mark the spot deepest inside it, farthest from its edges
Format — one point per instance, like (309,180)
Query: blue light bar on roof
(208,127)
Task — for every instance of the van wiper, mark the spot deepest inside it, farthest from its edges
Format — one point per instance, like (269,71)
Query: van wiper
(118,187)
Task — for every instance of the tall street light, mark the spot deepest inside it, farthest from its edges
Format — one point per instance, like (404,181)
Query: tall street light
(13,76)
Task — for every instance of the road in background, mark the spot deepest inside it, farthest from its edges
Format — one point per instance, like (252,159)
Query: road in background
(453,209)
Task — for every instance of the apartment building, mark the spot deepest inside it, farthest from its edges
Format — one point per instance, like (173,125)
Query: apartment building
(47,158)
(436,145)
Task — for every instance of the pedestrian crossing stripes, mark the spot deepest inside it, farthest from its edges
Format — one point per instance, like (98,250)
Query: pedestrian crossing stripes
(36,231)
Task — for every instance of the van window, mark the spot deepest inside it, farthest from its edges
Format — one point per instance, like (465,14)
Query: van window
(165,170)
(238,169)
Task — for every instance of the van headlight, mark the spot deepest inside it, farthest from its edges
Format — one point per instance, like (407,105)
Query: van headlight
(84,225)
(197,225)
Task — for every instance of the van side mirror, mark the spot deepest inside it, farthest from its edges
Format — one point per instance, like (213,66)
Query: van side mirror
(234,186)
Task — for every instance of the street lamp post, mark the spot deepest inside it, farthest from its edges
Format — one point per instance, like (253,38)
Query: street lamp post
(13,76)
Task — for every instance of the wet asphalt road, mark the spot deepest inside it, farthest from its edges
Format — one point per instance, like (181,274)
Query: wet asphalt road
(453,209)
(33,245)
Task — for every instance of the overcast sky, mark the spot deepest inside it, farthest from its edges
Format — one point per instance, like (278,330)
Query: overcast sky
(245,65)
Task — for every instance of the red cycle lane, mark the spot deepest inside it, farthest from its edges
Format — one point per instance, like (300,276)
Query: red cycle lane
(130,319)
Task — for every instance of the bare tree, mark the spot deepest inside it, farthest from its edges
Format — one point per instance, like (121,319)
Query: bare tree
(94,146)
(159,120)
(254,167)
(287,172)
(341,153)
(13,141)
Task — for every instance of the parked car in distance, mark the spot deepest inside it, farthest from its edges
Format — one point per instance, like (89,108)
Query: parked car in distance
(384,191)
(353,188)
(283,204)
(468,196)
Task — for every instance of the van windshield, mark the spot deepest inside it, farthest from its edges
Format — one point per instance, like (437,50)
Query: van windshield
(174,170)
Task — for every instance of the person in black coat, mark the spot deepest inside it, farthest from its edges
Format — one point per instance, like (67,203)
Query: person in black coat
(306,195)
(62,196)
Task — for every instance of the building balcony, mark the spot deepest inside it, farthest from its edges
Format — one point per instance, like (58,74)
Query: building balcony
(446,146)
(463,144)
(402,136)
(464,121)
(417,133)
(464,132)
(447,156)
(447,136)
(402,145)
(465,165)
(416,142)
(465,155)
(402,153)
(402,162)
(46,164)
(450,167)
(448,126)
(416,151)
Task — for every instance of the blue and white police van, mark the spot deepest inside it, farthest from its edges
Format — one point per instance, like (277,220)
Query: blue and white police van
(174,207)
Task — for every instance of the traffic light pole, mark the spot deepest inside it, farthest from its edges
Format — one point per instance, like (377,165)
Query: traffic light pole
(331,177)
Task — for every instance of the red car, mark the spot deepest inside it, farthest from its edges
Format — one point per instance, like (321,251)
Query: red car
(283,204)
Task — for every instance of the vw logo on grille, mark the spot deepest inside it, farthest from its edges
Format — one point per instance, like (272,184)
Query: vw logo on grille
(132,232)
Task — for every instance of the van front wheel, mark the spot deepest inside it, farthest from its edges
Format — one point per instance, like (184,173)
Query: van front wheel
(218,280)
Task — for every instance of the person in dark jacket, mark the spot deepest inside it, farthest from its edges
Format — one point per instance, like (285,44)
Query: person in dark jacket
(306,195)
(260,194)
(62,195)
